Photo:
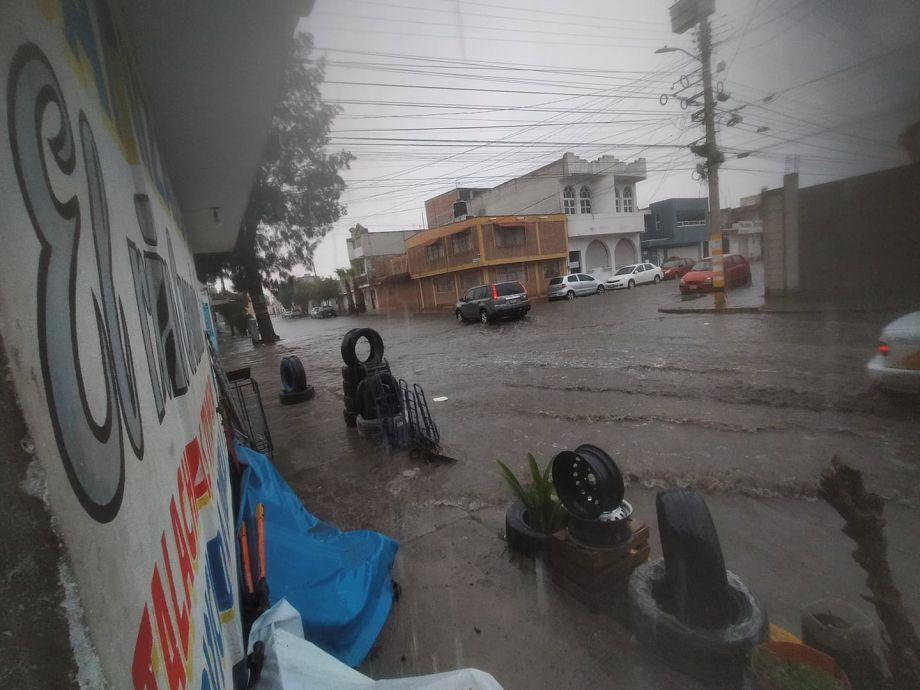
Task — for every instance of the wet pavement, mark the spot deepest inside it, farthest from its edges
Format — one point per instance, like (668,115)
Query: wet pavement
(737,405)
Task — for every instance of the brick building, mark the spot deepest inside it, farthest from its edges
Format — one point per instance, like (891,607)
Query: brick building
(444,262)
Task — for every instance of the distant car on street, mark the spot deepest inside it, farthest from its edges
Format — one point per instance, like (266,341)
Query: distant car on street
(633,275)
(291,313)
(486,303)
(575,285)
(699,279)
(323,312)
(896,366)
(676,268)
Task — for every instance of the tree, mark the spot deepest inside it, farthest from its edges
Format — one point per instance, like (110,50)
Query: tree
(345,274)
(295,198)
(327,289)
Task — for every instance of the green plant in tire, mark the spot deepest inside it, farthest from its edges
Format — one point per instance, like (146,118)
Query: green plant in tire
(773,673)
(544,511)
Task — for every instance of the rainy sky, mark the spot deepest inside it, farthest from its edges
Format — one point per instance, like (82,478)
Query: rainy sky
(443,93)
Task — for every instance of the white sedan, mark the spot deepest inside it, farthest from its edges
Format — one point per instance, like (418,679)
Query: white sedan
(897,364)
(634,274)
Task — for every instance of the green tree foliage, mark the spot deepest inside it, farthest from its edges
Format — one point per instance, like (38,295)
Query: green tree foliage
(295,197)
(544,511)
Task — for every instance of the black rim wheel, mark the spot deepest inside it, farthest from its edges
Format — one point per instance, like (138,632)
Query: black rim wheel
(588,481)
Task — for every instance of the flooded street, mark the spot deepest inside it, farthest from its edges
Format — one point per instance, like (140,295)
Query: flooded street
(738,405)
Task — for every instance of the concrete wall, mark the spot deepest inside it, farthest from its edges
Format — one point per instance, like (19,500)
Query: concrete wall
(537,192)
(101,321)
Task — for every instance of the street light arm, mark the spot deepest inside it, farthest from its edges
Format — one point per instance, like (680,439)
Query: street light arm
(669,49)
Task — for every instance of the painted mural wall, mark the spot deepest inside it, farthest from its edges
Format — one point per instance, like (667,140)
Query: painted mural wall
(101,319)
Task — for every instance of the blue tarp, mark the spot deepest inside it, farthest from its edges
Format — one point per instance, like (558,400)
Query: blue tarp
(338,581)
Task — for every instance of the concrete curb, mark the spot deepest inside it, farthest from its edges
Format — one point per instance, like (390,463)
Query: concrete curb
(710,310)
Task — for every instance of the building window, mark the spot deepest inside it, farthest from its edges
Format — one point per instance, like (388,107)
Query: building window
(444,283)
(616,193)
(509,236)
(689,219)
(627,200)
(585,194)
(435,251)
(462,242)
(657,223)
(568,200)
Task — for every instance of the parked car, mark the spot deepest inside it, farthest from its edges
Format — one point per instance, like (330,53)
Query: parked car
(291,313)
(675,268)
(699,279)
(571,286)
(896,366)
(485,303)
(323,312)
(633,275)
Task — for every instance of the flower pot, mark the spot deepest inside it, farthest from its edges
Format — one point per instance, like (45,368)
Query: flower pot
(844,632)
(764,674)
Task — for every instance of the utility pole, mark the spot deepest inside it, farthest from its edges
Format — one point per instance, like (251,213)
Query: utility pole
(713,158)
(684,15)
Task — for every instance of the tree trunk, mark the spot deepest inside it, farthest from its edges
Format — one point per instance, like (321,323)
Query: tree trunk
(253,284)
(349,296)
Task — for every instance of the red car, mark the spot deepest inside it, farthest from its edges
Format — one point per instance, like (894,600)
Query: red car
(676,268)
(699,279)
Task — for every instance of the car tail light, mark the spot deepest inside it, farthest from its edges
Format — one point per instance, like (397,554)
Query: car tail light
(883,349)
(494,292)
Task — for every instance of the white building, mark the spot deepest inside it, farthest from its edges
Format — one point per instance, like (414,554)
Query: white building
(599,198)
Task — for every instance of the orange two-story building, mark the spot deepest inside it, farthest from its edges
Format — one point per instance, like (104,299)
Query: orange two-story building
(444,262)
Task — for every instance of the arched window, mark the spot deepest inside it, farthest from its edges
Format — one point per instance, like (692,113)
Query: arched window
(627,200)
(568,200)
(617,194)
(585,197)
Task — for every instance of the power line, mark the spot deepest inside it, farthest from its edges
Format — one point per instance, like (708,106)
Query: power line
(480,90)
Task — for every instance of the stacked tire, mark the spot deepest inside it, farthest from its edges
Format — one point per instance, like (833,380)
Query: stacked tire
(294,386)
(354,372)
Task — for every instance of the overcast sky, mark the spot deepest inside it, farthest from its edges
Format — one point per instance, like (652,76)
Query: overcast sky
(444,93)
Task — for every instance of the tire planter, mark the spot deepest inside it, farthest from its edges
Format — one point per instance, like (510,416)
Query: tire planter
(350,341)
(711,653)
(845,633)
(588,482)
(696,579)
(365,402)
(793,653)
(611,529)
(520,536)
(297,396)
(293,376)
(351,418)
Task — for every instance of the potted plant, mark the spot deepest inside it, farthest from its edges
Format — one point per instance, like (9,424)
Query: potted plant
(792,666)
(537,513)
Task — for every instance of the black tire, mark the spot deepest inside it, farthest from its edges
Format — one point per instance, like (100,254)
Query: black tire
(601,532)
(520,536)
(690,546)
(351,418)
(708,652)
(351,340)
(483,316)
(601,289)
(293,376)
(297,396)
(365,402)
(459,316)
(631,284)
(350,389)
(353,374)
(657,279)
(570,295)
(351,404)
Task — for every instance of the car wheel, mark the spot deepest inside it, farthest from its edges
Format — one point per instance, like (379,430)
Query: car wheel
(601,289)
(459,316)
(631,284)
(520,536)
(570,295)
(657,279)
(483,316)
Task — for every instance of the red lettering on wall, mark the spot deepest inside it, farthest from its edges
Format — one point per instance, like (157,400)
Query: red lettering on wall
(198,471)
(190,517)
(181,613)
(142,668)
(183,549)
(172,657)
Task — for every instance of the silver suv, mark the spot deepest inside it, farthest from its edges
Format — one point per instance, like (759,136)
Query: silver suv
(486,303)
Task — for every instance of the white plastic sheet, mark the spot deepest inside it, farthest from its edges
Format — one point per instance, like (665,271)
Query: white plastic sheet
(293,663)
